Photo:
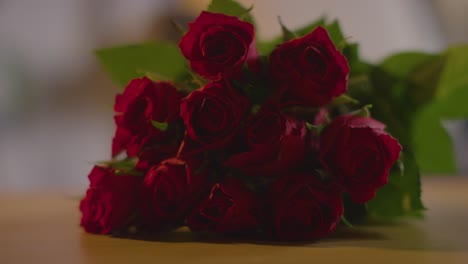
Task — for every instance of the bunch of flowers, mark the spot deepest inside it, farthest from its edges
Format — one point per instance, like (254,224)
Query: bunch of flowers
(263,145)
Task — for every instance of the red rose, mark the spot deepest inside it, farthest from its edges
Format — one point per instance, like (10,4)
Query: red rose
(310,70)
(218,45)
(276,144)
(110,201)
(229,208)
(152,156)
(142,102)
(305,207)
(212,116)
(168,191)
(358,153)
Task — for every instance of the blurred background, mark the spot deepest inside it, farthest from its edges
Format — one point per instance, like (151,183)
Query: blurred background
(56,101)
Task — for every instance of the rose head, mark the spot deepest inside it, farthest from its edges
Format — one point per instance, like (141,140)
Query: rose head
(358,153)
(142,102)
(168,191)
(310,70)
(275,143)
(212,115)
(229,208)
(304,207)
(110,201)
(217,45)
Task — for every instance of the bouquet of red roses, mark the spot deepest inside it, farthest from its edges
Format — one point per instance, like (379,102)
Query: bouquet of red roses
(252,143)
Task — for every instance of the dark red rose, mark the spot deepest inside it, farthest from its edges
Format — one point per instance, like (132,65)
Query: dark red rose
(168,192)
(142,102)
(152,156)
(229,208)
(217,45)
(212,116)
(309,70)
(358,153)
(276,143)
(305,207)
(110,201)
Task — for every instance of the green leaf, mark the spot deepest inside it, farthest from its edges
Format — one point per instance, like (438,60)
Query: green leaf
(266,47)
(417,74)
(160,126)
(122,167)
(255,108)
(346,222)
(128,163)
(128,62)
(302,31)
(178,27)
(358,67)
(455,73)
(334,30)
(401,65)
(363,112)
(402,195)
(424,80)
(231,8)
(287,34)
(343,99)
(317,129)
(432,144)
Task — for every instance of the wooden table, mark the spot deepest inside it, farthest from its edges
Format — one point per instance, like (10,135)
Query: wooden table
(43,228)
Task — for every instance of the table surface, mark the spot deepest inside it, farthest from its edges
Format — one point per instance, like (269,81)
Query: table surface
(43,228)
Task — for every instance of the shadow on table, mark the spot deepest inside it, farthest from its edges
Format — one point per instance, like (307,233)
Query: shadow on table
(409,235)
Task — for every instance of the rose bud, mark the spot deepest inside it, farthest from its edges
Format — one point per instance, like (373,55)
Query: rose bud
(110,201)
(229,208)
(358,153)
(142,102)
(217,45)
(168,191)
(309,70)
(304,207)
(276,143)
(212,116)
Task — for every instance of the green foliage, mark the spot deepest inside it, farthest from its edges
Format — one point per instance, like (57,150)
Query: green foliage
(266,47)
(364,111)
(128,163)
(160,126)
(333,29)
(231,8)
(412,93)
(432,144)
(423,91)
(128,62)
(302,31)
(287,34)
(454,76)
(448,103)
(401,196)
(122,167)
(420,71)
(343,99)
(401,65)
